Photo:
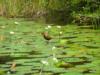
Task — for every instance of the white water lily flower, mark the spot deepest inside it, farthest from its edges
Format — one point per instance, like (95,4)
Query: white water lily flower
(16,23)
(60,32)
(59,27)
(49,26)
(44,62)
(8,73)
(55,59)
(12,32)
(53,47)
(79,14)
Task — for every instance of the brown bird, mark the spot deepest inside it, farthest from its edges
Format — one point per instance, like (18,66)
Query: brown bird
(13,67)
(46,36)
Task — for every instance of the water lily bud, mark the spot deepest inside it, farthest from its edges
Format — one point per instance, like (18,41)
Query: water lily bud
(44,62)
(16,23)
(55,59)
(12,32)
(83,7)
(59,27)
(8,73)
(60,32)
(53,48)
(49,26)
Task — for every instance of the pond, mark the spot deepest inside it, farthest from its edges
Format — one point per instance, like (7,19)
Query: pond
(76,51)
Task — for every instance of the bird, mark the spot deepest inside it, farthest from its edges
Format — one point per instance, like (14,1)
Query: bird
(46,36)
(12,68)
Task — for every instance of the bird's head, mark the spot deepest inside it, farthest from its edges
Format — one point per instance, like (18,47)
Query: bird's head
(44,33)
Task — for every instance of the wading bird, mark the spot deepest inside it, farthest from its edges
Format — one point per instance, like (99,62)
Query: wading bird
(46,36)
(12,68)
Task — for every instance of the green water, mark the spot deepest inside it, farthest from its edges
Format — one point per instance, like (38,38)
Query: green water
(77,49)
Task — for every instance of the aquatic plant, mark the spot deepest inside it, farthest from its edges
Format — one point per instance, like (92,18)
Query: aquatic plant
(54,55)
(44,63)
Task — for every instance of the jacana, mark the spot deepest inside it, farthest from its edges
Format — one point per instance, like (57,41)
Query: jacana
(46,36)
(13,67)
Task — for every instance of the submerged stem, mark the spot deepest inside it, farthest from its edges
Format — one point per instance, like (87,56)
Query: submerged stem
(41,70)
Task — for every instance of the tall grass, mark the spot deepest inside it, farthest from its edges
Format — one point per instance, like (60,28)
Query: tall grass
(50,10)
(25,7)
(14,8)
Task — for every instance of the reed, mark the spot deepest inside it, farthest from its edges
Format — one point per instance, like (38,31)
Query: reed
(53,10)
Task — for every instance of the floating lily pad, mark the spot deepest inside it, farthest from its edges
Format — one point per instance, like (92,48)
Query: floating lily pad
(78,50)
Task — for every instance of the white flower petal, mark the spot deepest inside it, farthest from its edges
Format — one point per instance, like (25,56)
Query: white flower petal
(44,62)
(55,59)
(16,23)
(12,32)
(58,26)
(60,32)
(53,47)
(49,26)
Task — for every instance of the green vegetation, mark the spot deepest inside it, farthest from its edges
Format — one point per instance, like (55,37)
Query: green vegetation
(2,72)
(54,11)
(49,37)
(77,51)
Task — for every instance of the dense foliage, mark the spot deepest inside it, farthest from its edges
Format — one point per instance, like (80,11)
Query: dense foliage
(53,11)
